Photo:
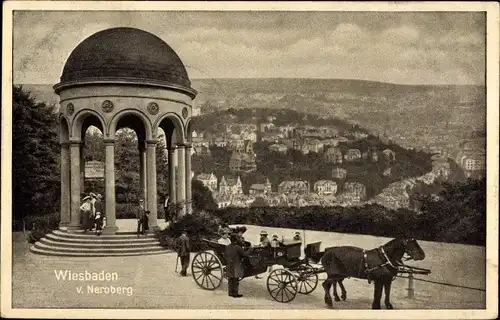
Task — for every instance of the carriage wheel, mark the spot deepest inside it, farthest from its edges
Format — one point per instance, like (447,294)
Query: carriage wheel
(282,285)
(307,279)
(207,270)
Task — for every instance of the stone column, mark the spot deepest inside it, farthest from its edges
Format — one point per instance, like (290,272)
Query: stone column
(82,169)
(189,199)
(151,185)
(181,154)
(171,176)
(109,188)
(75,186)
(143,172)
(176,174)
(65,186)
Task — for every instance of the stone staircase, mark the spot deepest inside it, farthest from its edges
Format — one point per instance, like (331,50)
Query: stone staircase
(63,243)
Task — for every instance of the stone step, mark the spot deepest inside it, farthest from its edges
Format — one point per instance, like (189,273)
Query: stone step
(92,235)
(57,248)
(100,240)
(55,242)
(36,250)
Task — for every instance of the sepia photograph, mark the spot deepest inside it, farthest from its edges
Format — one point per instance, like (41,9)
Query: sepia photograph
(260,160)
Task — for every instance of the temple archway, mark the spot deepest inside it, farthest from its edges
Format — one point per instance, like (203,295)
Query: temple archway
(140,83)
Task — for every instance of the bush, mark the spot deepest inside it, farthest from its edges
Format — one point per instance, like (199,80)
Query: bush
(127,211)
(40,226)
(198,226)
(50,221)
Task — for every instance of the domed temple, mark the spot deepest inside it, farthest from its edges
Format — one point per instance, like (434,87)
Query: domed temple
(116,78)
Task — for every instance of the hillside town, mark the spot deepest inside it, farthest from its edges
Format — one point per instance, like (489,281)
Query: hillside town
(334,190)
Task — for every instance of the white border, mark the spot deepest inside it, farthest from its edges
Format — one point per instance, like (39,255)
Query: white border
(492,84)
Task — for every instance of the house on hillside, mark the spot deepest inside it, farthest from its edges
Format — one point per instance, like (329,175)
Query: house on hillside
(201,146)
(341,140)
(287,130)
(249,136)
(333,155)
(474,164)
(312,145)
(209,180)
(242,162)
(387,172)
(236,144)
(261,188)
(389,154)
(339,173)
(279,148)
(352,155)
(332,142)
(220,142)
(293,186)
(94,170)
(271,136)
(355,188)
(230,186)
(323,187)
(267,126)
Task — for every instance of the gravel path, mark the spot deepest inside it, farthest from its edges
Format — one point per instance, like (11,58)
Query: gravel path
(155,285)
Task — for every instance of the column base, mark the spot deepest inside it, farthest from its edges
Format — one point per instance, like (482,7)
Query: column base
(109,230)
(74,228)
(63,224)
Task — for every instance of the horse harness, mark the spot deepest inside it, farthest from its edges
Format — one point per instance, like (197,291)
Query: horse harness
(368,271)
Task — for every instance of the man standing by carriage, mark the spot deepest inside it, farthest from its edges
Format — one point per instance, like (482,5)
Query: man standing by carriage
(234,268)
(183,251)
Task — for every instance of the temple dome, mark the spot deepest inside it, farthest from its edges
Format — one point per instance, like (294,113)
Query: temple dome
(125,55)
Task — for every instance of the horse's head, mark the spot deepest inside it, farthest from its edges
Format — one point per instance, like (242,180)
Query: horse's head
(413,249)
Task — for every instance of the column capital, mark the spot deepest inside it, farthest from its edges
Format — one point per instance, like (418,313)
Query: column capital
(65,144)
(188,145)
(181,145)
(151,143)
(172,150)
(109,141)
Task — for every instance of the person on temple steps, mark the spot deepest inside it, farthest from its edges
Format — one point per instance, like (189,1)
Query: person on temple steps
(141,216)
(86,209)
(99,214)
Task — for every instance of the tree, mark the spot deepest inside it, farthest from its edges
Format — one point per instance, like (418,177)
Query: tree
(35,157)
(259,202)
(202,196)
(162,173)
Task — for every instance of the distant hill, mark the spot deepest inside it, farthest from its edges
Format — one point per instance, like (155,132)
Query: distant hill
(375,105)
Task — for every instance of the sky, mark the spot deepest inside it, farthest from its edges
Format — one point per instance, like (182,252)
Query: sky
(395,47)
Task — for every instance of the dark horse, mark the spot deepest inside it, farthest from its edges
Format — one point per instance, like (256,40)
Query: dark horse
(379,265)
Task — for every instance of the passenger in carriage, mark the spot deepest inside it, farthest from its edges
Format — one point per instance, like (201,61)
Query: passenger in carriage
(225,233)
(275,243)
(297,237)
(266,252)
(264,240)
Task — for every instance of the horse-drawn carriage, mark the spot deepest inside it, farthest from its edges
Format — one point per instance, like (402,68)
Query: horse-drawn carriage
(283,284)
(298,275)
